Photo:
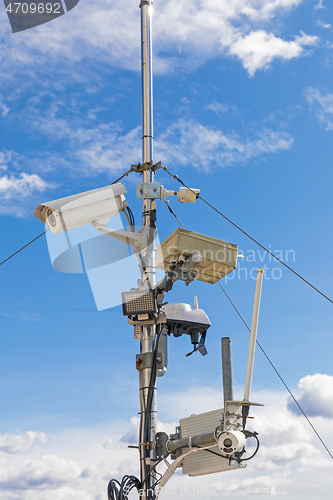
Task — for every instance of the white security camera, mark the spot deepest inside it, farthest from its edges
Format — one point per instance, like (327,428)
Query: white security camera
(231,442)
(80,209)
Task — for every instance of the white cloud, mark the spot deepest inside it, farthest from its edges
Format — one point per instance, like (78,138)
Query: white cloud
(322,104)
(323,25)
(258,49)
(218,108)
(23,185)
(132,436)
(200,29)
(106,147)
(16,188)
(20,443)
(320,5)
(4,109)
(317,395)
(191,143)
(49,470)
(81,461)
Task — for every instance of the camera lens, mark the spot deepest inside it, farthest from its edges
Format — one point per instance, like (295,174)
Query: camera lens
(51,218)
(227,443)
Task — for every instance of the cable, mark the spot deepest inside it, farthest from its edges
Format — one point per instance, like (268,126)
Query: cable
(250,237)
(278,374)
(255,451)
(120,491)
(23,247)
(131,216)
(214,452)
(173,213)
(124,175)
(146,411)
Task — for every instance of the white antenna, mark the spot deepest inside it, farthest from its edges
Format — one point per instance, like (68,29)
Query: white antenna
(253,338)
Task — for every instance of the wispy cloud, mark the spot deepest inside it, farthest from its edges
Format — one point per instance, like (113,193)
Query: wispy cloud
(218,107)
(16,187)
(321,24)
(201,30)
(320,5)
(322,105)
(4,109)
(22,185)
(196,145)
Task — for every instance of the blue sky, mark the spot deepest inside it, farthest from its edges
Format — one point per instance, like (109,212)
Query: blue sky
(243,111)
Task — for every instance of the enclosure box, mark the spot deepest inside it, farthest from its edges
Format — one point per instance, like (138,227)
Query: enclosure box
(219,257)
(204,462)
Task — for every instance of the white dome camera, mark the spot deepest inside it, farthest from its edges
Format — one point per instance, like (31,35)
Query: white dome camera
(80,209)
(231,442)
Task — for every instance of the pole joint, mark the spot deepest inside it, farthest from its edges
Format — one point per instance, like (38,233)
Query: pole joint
(145,2)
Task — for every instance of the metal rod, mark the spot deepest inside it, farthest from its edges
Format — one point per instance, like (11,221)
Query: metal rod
(149,256)
(253,338)
(228,386)
(195,441)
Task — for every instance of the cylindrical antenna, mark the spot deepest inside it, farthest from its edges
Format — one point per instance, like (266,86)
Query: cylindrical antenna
(148,333)
(228,386)
(253,338)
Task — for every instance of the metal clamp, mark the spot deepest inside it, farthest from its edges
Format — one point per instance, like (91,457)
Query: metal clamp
(151,190)
(145,2)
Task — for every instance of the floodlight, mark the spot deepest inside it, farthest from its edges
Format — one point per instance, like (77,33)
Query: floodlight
(80,209)
(139,302)
(218,258)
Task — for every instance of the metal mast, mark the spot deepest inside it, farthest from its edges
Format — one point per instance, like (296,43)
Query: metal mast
(149,206)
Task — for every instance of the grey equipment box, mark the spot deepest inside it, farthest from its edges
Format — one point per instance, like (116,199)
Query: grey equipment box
(219,257)
(204,462)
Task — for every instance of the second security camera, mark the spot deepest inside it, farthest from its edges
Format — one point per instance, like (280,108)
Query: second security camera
(80,209)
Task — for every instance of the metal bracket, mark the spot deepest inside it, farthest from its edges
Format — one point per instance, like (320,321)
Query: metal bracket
(145,360)
(161,318)
(151,190)
(233,411)
(141,167)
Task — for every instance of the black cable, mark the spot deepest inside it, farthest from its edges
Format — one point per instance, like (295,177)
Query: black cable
(131,216)
(255,451)
(278,374)
(214,452)
(250,237)
(120,491)
(145,415)
(23,247)
(172,212)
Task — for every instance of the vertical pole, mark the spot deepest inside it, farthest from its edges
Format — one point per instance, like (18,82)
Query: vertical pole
(149,257)
(228,390)
(253,338)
